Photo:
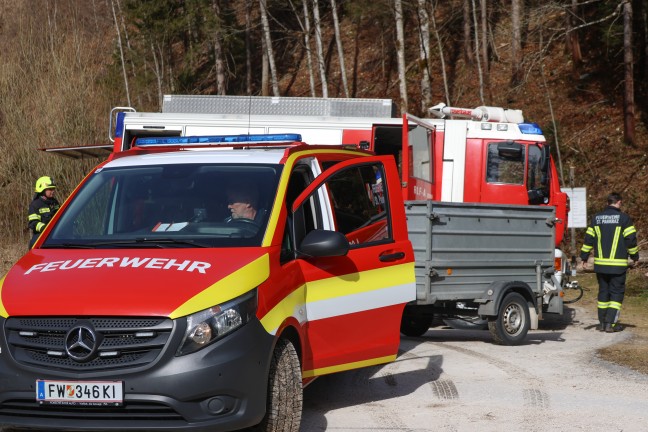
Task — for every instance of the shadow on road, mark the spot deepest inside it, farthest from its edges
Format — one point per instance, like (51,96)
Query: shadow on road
(368,385)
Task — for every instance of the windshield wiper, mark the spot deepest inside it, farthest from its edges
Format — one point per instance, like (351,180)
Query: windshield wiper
(137,242)
(170,240)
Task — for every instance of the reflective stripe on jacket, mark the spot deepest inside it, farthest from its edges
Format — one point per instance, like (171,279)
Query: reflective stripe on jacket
(612,238)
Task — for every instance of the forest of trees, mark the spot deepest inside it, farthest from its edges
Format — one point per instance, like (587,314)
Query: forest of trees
(322,47)
(577,67)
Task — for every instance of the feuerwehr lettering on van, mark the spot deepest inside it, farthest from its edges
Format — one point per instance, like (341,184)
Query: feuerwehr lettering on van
(134,262)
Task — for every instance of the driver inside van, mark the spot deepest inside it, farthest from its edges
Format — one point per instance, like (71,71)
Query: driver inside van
(242,201)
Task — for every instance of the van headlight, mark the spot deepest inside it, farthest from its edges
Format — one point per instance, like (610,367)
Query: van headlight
(211,324)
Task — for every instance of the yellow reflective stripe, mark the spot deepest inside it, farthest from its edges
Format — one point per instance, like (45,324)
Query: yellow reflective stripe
(40,226)
(339,288)
(34,216)
(236,284)
(44,210)
(590,231)
(587,248)
(629,230)
(369,280)
(603,305)
(611,262)
(598,239)
(615,242)
(348,366)
(3,311)
(633,250)
(615,305)
(289,305)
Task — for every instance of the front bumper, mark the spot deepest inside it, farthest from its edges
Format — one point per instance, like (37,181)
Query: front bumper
(221,387)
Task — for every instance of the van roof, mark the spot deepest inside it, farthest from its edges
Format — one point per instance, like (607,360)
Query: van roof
(202,155)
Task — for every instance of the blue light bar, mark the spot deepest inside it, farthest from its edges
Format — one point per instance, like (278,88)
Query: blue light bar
(216,139)
(530,128)
(119,124)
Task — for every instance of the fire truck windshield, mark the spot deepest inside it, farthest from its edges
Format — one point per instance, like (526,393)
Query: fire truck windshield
(179,205)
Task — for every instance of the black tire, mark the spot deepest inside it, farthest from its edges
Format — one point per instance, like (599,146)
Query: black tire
(512,324)
(285,394)
(415,325)
(467,323)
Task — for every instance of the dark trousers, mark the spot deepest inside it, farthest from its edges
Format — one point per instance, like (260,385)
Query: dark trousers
(610,296)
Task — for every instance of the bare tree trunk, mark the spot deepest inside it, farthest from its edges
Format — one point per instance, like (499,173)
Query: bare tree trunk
(628,60)
(484,48)
(159,73)
(572,37)
(467,25)
(338,40)
(400,50)
(477,56)
(441,56)
(121,53)
(265,70)
(424,25)
(268,47)
(307,30)
(516,43)
(320,50)
(219,63)
(248,47)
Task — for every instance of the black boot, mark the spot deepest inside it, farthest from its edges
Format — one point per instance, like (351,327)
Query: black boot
(613,328)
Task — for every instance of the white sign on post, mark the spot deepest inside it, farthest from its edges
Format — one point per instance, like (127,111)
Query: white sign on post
(578,207)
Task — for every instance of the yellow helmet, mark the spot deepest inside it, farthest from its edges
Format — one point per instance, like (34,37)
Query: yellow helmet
(43,183)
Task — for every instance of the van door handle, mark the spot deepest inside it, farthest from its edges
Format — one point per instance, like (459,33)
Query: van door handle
(392,256)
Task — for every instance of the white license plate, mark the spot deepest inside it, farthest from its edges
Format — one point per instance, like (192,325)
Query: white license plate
(82,393)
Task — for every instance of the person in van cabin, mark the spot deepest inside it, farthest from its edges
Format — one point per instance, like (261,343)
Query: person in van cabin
(242,202)
(42,208)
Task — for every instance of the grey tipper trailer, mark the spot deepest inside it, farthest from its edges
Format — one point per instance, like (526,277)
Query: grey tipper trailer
(487,263)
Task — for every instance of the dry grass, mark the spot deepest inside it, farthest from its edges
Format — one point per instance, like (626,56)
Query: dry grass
(50,98)
(632,352)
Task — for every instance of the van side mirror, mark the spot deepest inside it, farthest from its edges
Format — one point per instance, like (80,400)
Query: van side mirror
(321,243)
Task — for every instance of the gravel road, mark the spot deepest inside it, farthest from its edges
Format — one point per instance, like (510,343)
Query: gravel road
(455,380)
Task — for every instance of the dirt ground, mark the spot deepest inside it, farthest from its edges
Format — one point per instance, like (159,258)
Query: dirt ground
(632,351)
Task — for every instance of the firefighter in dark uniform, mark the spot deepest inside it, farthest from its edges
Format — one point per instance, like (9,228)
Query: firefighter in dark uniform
(42,208)
(612,238)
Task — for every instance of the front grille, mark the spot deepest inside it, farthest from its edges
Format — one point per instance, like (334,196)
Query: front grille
(129,411)
(122,342)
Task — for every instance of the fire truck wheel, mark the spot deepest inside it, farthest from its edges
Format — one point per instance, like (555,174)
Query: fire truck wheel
(512,323)
(284,405)
(414,326)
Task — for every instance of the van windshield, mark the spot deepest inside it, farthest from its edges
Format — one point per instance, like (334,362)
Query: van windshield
(188,205)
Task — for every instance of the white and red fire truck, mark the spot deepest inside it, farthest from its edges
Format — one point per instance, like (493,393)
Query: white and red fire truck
(482,155)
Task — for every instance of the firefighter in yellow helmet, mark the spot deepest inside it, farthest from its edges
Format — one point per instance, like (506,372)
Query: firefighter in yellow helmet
(43,207)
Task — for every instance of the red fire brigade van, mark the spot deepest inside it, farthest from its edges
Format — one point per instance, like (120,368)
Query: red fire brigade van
(198,283)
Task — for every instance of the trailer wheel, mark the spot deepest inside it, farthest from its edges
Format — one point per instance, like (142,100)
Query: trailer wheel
(511,325)
(415,325)
(285,394)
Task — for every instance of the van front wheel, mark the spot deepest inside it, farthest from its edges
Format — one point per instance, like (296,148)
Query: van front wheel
(285,394)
